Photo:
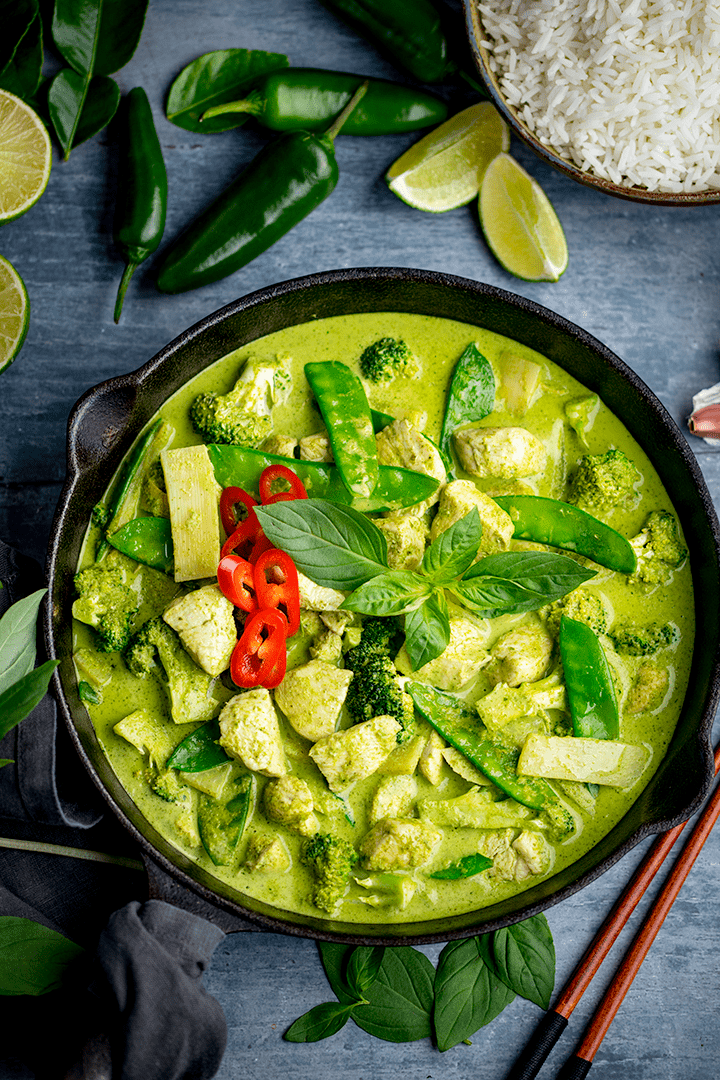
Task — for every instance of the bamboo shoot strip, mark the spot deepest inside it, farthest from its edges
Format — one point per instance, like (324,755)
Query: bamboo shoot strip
(194,516)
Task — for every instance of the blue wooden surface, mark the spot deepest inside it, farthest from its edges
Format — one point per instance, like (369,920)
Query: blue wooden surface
(642,279)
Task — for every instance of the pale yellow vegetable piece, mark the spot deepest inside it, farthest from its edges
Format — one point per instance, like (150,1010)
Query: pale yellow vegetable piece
(194,518)
(519,382)
(210,781)
(147,734)
(590,761)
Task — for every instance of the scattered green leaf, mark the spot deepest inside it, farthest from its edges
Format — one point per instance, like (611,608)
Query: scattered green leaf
(18,632)
(21,698)
(391,593)
(400,1000)
(471,395)
(21,75)
(363,967)
(468,994)
(33,959)
(468,866)
(515,581)
(525,959)
(319,1023)
(453,552)
(427,631)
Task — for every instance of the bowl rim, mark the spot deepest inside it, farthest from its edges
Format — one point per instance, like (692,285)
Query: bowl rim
(473,28)
(178,866)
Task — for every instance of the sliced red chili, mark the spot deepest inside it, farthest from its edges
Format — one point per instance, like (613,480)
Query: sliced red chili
(237,582)
(260,653)
(229,500)
(276,586)
(280,480)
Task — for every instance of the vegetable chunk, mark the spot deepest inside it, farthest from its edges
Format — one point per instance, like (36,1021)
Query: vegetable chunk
(311,697)
(249,731)
(194,516)
(243,416)
(592,761)
(206,626)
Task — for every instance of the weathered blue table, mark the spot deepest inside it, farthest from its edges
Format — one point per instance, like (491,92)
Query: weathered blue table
(643,280)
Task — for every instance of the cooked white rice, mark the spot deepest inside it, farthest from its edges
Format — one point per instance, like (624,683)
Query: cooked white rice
(626,89)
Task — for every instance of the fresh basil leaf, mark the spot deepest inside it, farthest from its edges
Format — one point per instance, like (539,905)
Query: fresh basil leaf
(199,751)
(21,75)
(214,79)
(471,395)
(468,866)
(21,698)
(97,37)
(5,761)
(18,631)
(514,581)
(16,18)
(33,958)
(319,1023)
(400,1001)
(334,545)
(89,694)
(392,593)
(453,552)
(427,631)
(363,967)
(525,959)
(80,109)
(468,994)
(334,959)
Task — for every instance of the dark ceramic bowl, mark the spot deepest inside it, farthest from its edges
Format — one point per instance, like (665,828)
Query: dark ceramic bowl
(473,25)
(107,419)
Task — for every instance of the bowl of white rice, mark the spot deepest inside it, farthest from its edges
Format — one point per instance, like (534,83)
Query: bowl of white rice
(622,95)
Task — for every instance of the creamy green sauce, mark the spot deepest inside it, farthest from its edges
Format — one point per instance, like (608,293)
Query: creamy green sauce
(437,343)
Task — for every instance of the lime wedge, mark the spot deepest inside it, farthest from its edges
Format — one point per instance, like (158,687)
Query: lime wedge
(25,157)
(519,223)
(14,313)
(445,168)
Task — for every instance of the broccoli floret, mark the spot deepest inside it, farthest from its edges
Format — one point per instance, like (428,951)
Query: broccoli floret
(604,481)
(107,604)
(632,640)
(331,859)
(387,359)
(375,689)
(583,606)
(188,686)
(378,639)
(244,416)
(658,548)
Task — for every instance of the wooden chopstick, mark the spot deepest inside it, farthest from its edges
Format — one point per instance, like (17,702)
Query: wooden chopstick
(555,1020)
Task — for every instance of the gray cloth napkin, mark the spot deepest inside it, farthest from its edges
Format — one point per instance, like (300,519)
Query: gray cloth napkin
(138,999)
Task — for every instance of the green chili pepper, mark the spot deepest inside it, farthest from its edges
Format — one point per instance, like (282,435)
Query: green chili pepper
(307,99)
(344,408)
(408,31)
(236,466)
(548,521)
(462,728)
(284,183)
(147,540)
(142,190)
(468,866)
(199,751)
(471,396)
(590,687)
(221,824)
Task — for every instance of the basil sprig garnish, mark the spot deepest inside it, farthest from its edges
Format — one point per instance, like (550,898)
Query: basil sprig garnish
(22,685)
(396,995)
(515,581)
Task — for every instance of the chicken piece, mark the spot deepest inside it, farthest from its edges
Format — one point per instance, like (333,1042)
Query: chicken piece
(464,656)
(506,452)
(399,844)
(311,697)
(457,499)
(327,647)
(316,448)
(318,598)
(289,801)
(520,656)
(348,756)
(204,621)
(649,689)
(393,798)
(250,732)
(402,444)
(534,854)
(406,535)
(282,445)
(266,854)
(496,844)
(432,759)
(476,809)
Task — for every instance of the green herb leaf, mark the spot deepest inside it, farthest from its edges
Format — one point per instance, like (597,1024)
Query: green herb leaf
(468,993)
(5,761)
(214,79)
(199,751)
(427,631)
(18,631)
(97,37)
(400,1001)
(21,698)
(514,581)
(392,593)
(471,395)
(363,967)
(319,1023)
(80,109)
(33,958)
(525,958)
(453,552)
(16,18)
(334,545)
(468,866)
(21,75)
(88,693)
(334,960)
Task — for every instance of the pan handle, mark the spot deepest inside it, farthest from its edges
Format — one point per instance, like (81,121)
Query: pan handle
(162,887)
(100,423)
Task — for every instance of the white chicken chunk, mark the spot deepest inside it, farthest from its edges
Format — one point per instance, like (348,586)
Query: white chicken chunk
(289,801)
(457,499)
(250,732)
(316,597)
(399,844)
(463,658)
(316,448)
(406,535)
(311,697)
(348,756)
(393,797)
(204,621)
(505,452)
(402,444)
(521,656)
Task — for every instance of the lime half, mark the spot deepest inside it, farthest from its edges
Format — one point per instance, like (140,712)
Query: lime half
(520,225)
(14,313)
(445,168)
(25,157)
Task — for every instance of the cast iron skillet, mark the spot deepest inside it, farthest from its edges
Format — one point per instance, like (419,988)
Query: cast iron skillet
(108,417)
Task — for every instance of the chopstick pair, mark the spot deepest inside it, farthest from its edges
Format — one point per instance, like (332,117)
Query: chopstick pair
(555,1020)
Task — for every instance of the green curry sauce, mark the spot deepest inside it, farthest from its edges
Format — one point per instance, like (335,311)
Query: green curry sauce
(437,343)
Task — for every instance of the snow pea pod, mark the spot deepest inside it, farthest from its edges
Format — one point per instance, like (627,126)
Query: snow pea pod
(549,521)
(590,687)
(221,824)
(471,396)
(468,866)
(199,751)
(142,191)
(287,180)
(147,540)
(344,408)
(295,99)
(237,466)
